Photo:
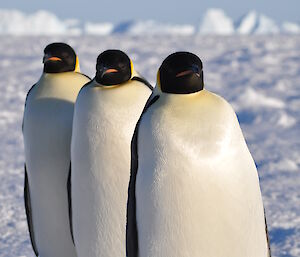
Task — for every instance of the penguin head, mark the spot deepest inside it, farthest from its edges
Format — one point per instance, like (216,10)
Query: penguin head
(113,67)
(181,73)
(60,57)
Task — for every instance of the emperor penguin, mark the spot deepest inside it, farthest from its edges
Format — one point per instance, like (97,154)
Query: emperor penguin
(194,188)
(106,112)
(47,128)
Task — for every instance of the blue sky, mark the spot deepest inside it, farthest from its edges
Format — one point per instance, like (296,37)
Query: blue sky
(162,10)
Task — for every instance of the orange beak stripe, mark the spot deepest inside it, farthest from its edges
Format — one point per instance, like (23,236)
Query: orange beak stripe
(111,71)
(180,74)
(53,58)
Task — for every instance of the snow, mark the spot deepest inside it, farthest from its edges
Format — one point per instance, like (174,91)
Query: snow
(216,22)
(151,27)
(255,23)
(14,22)
(258,75)
(290,28)
(266,25)
(251,98)
(101,29)
(247,23)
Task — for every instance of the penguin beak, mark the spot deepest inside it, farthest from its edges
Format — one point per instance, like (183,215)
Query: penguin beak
(108,71)
(51,58)
(183,73)
(188,72)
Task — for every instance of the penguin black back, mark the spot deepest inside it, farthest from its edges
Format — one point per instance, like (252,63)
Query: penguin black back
(59,57)
(113,67)
(181,73)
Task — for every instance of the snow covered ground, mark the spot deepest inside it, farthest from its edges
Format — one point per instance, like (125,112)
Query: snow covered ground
(214,22)
(259,75)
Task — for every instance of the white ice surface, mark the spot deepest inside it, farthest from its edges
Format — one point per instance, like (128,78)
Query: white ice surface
(266,25)
(151,27)
(216,22)
(101,29)
(259,75)
(14,22)
(290,28)
(256,23)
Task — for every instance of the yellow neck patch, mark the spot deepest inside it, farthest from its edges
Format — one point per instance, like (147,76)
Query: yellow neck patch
(132,69)
(77,67)
(158,80)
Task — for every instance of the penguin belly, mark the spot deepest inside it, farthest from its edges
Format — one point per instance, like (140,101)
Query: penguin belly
(47,136)
(197,189)
(104,122)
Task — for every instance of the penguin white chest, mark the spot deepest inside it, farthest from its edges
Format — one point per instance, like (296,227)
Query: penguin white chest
(47,133)
(104,123)
(197,191)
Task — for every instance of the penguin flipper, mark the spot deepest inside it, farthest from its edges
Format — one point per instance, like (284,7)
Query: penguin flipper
(131,227)
(267,235)
(29,212)
(144,81)
(26,102)
(70,203)
(83,75)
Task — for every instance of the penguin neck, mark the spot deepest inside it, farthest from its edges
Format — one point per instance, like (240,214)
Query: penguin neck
(99,85)
(45,74)
(174,96)
(134,73)
(50,76)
